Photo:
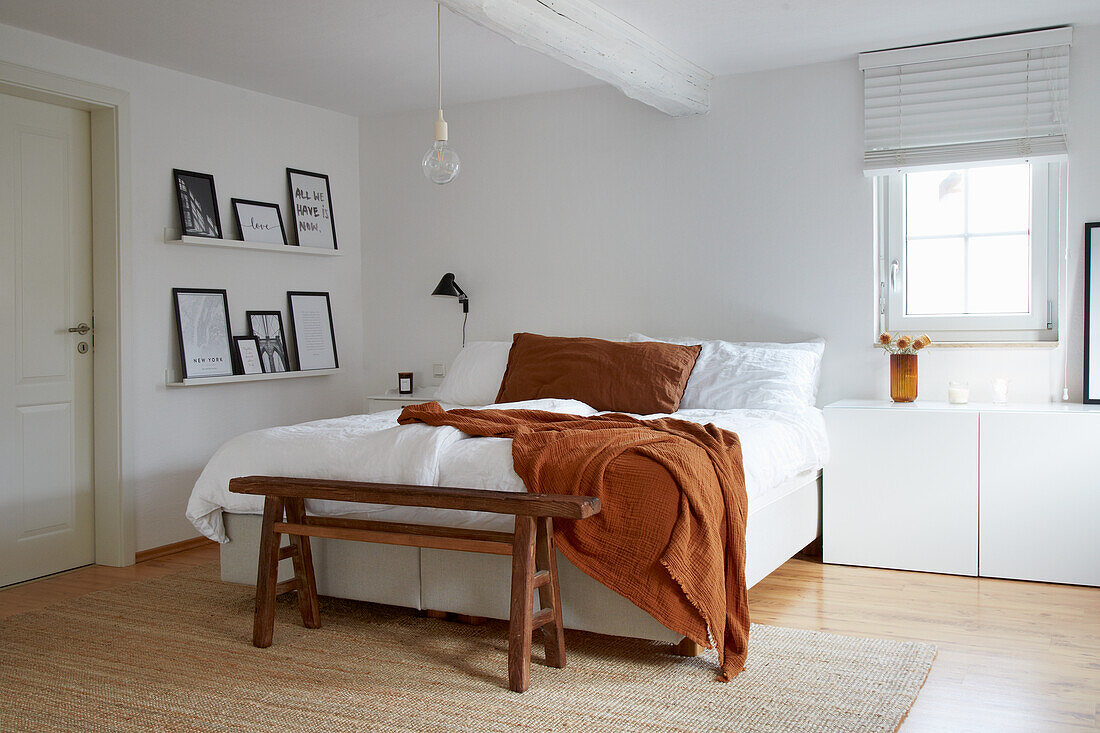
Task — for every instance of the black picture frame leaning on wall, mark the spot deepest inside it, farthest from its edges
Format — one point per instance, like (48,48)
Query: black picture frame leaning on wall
(314,331)
(259,221)
(267,327)
(202,327)
(311,209)
(198,204)
(1091,395)
(246,353)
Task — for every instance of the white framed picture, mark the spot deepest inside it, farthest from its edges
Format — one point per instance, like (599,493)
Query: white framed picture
(314,334)
(259,222)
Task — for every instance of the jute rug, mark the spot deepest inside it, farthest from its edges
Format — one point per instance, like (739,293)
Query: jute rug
(174,654)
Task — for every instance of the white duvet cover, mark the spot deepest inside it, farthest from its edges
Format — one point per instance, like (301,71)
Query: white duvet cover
(775,447)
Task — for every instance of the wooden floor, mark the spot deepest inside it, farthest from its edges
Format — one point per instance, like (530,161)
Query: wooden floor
(54,588)
(1012,656)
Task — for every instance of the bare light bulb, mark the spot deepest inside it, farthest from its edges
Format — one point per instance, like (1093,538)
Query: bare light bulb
(441,163)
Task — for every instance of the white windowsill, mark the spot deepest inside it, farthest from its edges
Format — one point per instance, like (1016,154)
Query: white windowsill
(987,345)
(994,345)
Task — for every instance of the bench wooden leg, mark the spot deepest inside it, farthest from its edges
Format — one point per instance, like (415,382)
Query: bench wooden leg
(303,567)
(267,574)
(520,624)
(546,559)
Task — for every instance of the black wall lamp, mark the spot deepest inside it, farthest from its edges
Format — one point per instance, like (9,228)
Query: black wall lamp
(448,288)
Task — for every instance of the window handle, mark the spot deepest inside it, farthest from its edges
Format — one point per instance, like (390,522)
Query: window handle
(894,269)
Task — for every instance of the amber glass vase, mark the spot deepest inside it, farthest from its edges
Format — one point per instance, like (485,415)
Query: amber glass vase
(903,377)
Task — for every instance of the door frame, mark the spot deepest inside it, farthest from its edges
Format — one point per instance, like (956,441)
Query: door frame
(109,114)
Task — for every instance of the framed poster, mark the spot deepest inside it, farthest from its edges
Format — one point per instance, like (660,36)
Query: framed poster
(267,328)
(202,325)
(314,335)
(247,351)
(198,204)
(1092,313)
(311,208)
(258,221)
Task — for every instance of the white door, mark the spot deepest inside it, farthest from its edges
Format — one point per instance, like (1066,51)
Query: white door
(46,507)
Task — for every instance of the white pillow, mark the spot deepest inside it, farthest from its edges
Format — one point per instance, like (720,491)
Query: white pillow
(730,376)
(475,375)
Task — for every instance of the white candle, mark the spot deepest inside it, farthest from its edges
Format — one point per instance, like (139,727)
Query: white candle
(958,393)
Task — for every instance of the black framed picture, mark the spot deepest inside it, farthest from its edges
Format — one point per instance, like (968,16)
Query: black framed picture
(258,221)
(198,204)
(246,349)
(267,327)
(1092,314)
(311,208)
(202,325)
(314,334)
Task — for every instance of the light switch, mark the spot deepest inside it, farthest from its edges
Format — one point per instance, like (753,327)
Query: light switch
(439,369)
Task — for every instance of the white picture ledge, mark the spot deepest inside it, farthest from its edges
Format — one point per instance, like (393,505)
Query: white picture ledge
(172,236)
(203,381)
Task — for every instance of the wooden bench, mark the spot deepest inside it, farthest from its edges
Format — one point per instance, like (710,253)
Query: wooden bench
(534,558)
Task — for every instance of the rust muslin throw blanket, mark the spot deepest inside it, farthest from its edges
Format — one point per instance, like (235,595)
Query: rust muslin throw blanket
(671,535)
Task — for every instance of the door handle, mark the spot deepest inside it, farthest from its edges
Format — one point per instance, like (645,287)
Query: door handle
(81,328)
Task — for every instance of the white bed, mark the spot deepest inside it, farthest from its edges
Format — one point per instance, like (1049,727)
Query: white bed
(783,452)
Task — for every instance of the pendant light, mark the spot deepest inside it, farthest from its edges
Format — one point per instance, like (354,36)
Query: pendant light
(441,163)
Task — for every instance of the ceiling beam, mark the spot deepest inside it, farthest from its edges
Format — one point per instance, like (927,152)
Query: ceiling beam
(591,39)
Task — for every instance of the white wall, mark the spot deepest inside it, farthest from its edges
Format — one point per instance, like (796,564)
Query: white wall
(246,140)
(583,212)
(576,213)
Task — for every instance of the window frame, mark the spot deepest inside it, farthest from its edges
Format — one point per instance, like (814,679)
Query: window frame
(1039,325)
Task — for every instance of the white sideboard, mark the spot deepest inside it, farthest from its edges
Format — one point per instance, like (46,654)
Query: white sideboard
(1006,491)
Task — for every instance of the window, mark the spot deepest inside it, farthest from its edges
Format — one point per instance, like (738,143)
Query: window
(969,253)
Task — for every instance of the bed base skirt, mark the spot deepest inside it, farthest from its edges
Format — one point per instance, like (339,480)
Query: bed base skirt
(473,584)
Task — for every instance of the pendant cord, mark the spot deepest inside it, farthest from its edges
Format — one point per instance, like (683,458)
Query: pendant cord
(439,53)
(464,317)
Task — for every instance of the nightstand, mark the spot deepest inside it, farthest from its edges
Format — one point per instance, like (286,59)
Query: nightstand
(394,401)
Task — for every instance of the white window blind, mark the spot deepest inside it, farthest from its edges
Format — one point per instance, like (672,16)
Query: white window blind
(996,98)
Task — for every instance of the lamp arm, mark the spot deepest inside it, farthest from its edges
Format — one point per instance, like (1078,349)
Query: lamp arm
(465,301)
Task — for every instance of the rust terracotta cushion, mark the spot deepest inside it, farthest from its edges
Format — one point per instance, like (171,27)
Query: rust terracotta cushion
(639,378)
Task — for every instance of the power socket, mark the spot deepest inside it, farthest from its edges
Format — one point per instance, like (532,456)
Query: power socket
(439,370)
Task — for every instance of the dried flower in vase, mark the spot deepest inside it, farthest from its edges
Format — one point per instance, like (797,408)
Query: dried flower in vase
(902,344)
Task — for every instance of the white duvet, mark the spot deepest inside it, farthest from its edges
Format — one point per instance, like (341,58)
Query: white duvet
(775,447)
